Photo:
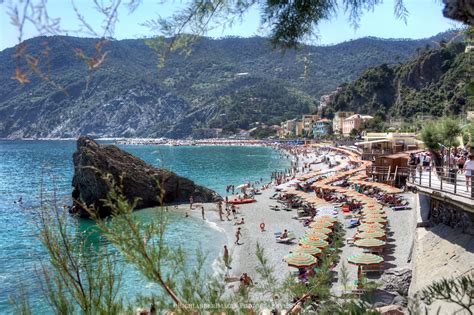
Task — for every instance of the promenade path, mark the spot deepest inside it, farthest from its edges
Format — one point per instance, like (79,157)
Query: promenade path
(456,187)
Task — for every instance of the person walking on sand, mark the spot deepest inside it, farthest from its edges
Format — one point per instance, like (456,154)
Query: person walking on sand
(219,206)
(226,257)
(202,212)
(190,201)
(238,234)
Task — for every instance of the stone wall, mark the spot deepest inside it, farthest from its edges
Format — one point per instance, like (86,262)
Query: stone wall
(445,213)
(445,249)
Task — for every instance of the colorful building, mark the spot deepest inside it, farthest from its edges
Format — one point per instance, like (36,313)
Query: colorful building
(353,122)
(322,127)
(338,120)
(308,123)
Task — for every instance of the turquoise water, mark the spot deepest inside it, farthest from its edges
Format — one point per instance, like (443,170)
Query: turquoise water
(25,166)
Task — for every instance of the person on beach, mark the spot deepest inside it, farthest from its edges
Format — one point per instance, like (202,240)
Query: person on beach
(238,234)
(240,222)
(191,202)
(284,235)
(262,227)
(202,212)
(234,211)
(219,206)
(469,168)
(226,257)
(245,280)
(186,215)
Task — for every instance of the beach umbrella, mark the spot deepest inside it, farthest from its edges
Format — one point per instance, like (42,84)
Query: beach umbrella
(311,250)
(374,226)
(316,242)
(312,232)
(370,234)
(375,215)
(299,260)
(323,230)
(365,259)
(325,224)
(375,220)
(369,242)
(325,217)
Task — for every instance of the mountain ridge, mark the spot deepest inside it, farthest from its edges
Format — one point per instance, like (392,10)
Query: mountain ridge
(128,96)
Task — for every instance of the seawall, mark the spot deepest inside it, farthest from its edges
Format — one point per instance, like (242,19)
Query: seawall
(443,247)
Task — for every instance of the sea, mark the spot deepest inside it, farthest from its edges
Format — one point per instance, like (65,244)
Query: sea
(29,169)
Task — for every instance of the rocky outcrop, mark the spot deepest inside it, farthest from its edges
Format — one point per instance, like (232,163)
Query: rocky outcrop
(96,165)
(397,280)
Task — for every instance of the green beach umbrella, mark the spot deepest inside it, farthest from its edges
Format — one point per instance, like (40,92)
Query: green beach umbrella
(369,242)
(370,234)
(325,218)
(316,242)
(325,224)
(323,230)
(365,259)
(313,232)
(367,211)
(311,250)
(299,260)
(375,215)
(374,226)
(375,220)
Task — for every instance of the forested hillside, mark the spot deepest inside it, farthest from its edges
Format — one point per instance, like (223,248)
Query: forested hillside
(436,83)
(225,83)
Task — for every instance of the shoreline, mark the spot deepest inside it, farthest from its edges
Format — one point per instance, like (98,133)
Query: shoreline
(243,256)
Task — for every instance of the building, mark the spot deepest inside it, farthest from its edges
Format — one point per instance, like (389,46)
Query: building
(322,127)
(291,128)
(353,122)
(308,123)
(299,129)
(380,144)
(287,128)
(338,121)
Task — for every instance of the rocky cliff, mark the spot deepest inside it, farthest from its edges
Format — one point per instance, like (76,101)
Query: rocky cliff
(437,82)
(94,162)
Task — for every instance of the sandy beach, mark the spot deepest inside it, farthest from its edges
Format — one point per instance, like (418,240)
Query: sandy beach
(397,252)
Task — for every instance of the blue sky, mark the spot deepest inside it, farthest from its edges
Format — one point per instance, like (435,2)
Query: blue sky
(425,19)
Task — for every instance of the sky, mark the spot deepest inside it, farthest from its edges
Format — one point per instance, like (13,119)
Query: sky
(425,19)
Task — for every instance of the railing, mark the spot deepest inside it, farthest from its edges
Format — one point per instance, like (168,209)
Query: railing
(443,179)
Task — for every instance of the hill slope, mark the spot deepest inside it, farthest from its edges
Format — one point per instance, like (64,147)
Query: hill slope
(227,83)
(435,83)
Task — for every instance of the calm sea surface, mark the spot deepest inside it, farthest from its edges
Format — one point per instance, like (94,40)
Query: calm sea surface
(25,166)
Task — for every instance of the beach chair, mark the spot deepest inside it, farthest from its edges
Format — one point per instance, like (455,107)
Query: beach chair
(373,268)
(350,241)
(291,237)
(353,223)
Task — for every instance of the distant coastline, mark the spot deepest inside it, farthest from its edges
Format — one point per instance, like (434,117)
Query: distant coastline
(165,141)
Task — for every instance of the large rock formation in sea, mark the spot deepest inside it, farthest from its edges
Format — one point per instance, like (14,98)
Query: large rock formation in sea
(153,186)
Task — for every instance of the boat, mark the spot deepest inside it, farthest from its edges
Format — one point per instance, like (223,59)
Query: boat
(241,201)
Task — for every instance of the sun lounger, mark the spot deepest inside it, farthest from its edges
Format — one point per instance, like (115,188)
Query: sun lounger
(350,241)
(291,237)
(396,208)
(353,223)
(373,268)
